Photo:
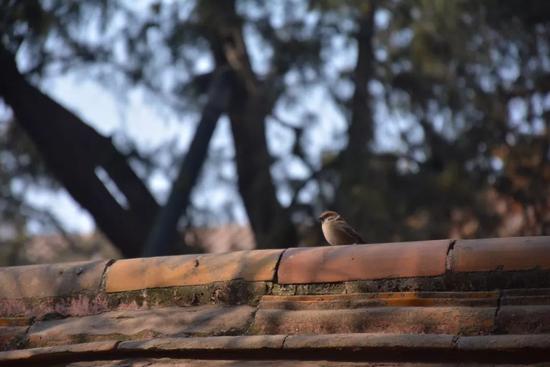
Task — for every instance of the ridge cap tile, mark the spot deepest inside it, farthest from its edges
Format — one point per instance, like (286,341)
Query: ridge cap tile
(50,280)
(506,253)
(363,262)
(181,270)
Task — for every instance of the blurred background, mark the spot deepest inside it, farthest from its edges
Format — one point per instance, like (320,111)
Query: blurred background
(143,128)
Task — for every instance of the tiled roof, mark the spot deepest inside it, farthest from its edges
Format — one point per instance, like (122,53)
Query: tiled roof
(477,301)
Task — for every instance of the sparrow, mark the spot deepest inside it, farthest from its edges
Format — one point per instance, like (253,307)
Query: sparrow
(337,231)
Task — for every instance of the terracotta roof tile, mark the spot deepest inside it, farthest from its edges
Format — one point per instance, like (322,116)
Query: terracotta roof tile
(513,253)
(50,280)
(132,274)
(38,354)
(406,320)
(363,262)
(425,299)
(142,324)
(524,319)
(369,340)
(207,343)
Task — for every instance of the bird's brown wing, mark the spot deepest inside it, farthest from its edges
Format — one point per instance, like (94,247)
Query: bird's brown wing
(351,233)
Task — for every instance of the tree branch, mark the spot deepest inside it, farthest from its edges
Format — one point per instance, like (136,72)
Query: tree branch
(73,151)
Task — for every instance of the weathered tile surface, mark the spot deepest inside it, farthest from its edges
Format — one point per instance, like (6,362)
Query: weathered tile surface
(406,320)
(143,324)
(524,319)
(185,362)
(389,299)
(514,253)
(37,281)
(504,343)
(364,340)
(29,355)
(363,262)
(11,336)
(133,274)
(533,296)
(207,343)
(73,305)
(14,321)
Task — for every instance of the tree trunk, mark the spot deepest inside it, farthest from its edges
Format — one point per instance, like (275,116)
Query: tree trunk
(355,160)
(269,220)
(74,151)
(164,231)
(361,128)
(248,109)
